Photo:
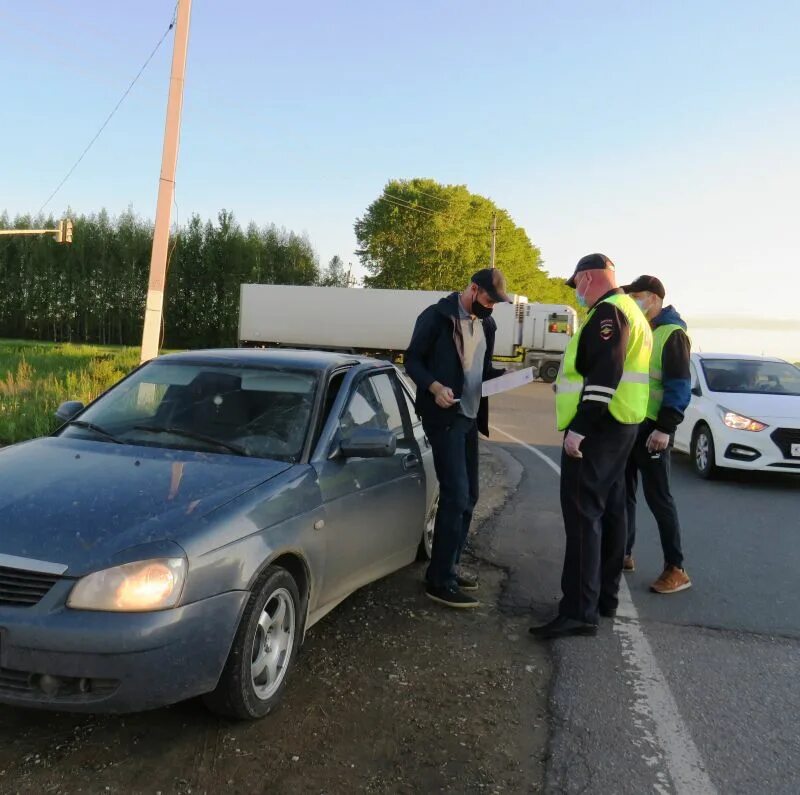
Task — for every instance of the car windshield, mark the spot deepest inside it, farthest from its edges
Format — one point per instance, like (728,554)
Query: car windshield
(259,412)
(752,376)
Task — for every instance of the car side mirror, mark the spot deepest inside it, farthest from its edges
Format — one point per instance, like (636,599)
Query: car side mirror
(368,443)
(697,391)
(66,411)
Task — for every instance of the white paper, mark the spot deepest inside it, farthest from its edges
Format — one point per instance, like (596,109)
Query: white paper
(508,381)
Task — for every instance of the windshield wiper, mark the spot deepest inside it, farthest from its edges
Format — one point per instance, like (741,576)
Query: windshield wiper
(90,426)
(199,437)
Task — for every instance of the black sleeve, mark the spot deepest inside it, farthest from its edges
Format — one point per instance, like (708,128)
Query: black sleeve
(600,360)
(421,345)
(677,381)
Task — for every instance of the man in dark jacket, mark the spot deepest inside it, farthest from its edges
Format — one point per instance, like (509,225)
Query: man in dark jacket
(449,358)
(670,392)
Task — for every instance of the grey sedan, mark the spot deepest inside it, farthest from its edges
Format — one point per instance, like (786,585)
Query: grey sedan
(178,536)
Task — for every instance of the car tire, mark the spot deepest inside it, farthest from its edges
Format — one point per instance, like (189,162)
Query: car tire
(263,651)
(425,549)
(549,372)
(703,452)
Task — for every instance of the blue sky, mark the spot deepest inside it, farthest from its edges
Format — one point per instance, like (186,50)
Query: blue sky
(664,135)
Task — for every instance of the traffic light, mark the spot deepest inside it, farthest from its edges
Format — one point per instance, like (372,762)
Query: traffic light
(64,231)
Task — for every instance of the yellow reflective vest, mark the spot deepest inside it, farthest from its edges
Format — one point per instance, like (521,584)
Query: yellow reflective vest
(660,337)
(628,403)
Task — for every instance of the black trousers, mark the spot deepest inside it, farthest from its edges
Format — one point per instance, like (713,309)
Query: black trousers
(455,458)
(655,471)
(593,504)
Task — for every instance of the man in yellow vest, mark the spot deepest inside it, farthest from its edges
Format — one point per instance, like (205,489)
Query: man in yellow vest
(670,392)
(601,398)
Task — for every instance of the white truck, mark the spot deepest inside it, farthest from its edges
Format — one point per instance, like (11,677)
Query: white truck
(380,322)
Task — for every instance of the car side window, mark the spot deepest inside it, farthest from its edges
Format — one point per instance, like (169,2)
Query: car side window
(412,409)
(693,372)
(373,405)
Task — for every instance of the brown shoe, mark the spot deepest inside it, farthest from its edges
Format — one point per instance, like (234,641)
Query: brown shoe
(628,564)
(672,580)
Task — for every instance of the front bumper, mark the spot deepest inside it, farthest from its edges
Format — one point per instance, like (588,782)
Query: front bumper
(761,450)
(81,661)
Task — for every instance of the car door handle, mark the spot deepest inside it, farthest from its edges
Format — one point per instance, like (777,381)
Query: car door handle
(410,461)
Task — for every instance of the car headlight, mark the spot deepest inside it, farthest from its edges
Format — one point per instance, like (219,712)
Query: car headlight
(740,423)
(133,587)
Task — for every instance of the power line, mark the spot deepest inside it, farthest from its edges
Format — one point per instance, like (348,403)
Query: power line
(432,196)
(113,112)
(404,206)
(410,205)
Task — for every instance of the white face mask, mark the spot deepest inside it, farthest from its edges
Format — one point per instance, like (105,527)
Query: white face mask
(643,304)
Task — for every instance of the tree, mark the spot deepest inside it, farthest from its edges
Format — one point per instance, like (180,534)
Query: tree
(335,275)
(420,234)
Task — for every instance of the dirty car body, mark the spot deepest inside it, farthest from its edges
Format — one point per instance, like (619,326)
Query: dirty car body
(134,541)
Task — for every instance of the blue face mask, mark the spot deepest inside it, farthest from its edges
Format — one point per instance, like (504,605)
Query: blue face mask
(643,304)
(582,302)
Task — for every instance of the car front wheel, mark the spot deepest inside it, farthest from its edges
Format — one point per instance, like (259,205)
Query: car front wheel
(703,452)
(263,651)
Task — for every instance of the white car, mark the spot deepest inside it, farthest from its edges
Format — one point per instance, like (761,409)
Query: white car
(744,414)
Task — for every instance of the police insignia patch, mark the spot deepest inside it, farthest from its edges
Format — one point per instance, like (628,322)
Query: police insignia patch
(606,329)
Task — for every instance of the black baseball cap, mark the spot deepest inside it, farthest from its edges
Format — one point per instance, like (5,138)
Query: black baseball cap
(591,262)
(646,284)
(493,281)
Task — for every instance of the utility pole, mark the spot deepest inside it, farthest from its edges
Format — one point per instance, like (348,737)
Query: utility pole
(494,239)
(62,233)
(151,335)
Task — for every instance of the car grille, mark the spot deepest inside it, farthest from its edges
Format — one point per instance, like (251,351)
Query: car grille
(20,588)
(784,438)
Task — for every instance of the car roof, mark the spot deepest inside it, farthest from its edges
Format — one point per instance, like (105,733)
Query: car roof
(271,357)
(746,357)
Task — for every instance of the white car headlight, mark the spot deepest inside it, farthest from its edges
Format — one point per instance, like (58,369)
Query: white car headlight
(740,423)
(134,587)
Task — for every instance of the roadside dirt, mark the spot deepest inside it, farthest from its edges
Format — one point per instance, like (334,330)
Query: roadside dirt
(391,694)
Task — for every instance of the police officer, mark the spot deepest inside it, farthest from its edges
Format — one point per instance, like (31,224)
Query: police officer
(670,392)
(601,398)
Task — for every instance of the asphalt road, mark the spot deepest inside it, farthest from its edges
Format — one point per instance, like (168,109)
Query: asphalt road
(688,693)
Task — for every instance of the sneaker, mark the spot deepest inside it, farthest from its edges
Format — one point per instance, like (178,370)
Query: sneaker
(452,597)
(467,583)
(628,564)
(672,580)
(562,627)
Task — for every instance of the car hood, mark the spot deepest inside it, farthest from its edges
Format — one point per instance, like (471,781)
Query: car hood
(80,503)
(785,408)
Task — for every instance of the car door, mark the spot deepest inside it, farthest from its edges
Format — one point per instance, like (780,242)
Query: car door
(683,435)
(374,507)
(424,447)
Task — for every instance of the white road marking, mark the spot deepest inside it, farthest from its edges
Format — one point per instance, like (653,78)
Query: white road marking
(549,461)
(653,698)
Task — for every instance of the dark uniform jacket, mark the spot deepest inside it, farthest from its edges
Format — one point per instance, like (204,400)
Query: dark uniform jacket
(435,354)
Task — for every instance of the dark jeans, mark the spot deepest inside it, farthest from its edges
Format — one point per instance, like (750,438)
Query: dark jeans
(593,503)
(455,456)
(655,469)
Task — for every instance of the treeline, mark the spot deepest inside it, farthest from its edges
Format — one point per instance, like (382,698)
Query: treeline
(94,290)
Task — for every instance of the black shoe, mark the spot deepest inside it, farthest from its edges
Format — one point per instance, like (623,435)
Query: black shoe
(608,612)
(452,597)
(467,583)
(562,627)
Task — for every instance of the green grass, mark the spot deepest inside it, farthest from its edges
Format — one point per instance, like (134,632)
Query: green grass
(35,378)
